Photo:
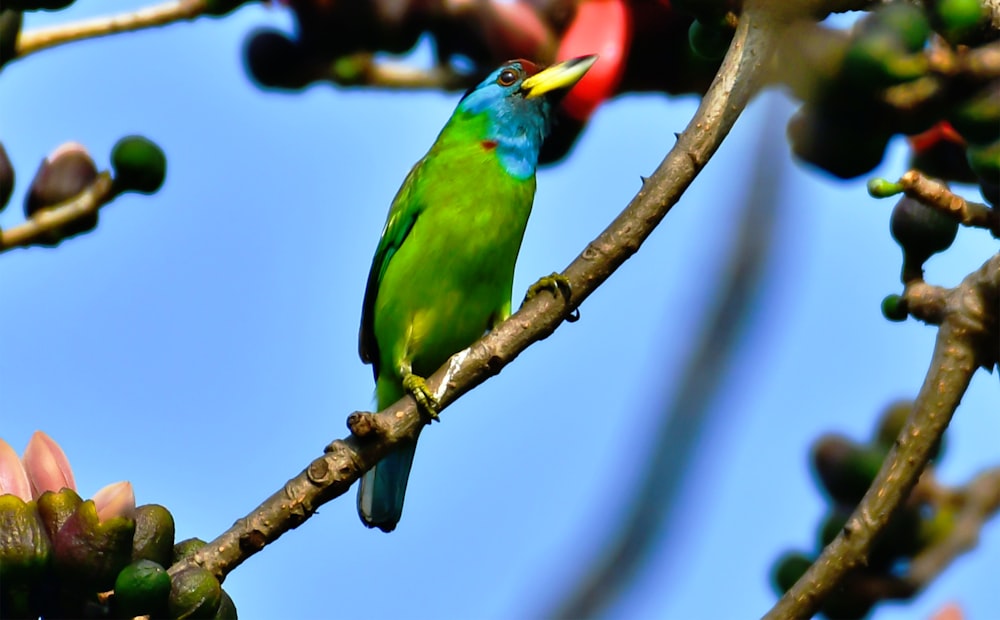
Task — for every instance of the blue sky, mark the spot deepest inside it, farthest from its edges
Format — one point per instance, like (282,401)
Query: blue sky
(202,342)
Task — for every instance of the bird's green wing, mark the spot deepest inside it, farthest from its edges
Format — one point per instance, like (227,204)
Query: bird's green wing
(406,207)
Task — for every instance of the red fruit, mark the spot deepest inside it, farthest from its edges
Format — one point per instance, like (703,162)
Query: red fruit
(602,27)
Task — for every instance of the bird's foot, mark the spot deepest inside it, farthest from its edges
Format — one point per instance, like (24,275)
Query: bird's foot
(559,285)
(417,388)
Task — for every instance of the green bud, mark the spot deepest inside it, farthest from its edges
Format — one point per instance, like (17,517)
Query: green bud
(709,40)
(843,146)
(275,61)
(227,608)
(883,188)
(906,22)
(154,534)
(788,569)
(977,119)
(89,552)
(985,160)
(878,59)
(139,165)
(891,423)
(959,21)
(844,468)
(894,308)
(25,548)
(194,593)
(832,525)
(142,589)
(186,548)
(921,231)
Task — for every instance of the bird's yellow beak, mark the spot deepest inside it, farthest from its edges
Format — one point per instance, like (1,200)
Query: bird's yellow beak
(561,76)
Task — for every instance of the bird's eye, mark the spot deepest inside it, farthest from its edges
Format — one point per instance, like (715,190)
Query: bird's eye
(507,77)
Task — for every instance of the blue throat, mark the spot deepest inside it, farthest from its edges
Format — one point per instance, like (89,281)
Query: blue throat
(517,125)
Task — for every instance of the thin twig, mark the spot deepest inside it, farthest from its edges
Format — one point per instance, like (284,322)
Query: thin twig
(149,17)
(978,502)
(965,341)
(345,460)
(937,195)
(42,224)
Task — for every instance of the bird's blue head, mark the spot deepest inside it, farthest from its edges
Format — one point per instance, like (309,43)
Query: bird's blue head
(518,99)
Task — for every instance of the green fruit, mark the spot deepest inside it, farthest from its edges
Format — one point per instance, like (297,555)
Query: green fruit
(904,21)
(194,593)
(139,165)
(977,119)
(844,468)
(275,61)
(187,548)
(227,608)
(845,146)
(878,58)
(832,525)
(985,161)
(141,589)
(894,308)
(154,534)
(788,569)
(709,40)
(959,20)
(891,423)
(921,231)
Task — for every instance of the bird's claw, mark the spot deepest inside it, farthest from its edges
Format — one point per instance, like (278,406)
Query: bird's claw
(556,282)
(417,388)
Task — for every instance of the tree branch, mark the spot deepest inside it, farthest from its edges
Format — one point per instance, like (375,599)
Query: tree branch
(39,227)
(937,195)
(157,15)
(966,340)
(375,435)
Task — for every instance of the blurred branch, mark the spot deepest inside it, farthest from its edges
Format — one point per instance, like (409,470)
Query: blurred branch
(967,339)
(651,510)
(42,225)
(150,17)
(975,504)
(363,69)
(375,434)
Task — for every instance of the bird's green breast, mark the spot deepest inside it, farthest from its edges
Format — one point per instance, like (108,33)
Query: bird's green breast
(451,279)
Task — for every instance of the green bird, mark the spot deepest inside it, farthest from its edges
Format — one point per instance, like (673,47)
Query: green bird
(444,268)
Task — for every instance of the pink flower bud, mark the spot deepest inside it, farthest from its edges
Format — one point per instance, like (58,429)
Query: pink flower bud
(13,480)
(115,500)
(46,465)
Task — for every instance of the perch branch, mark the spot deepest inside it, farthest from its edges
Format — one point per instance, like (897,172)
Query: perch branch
(376,434)
(966,340)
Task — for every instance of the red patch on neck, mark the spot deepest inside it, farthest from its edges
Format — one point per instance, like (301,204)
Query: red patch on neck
(489,145)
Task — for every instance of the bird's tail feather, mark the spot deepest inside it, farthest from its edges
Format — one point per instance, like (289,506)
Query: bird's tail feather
(380,496)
